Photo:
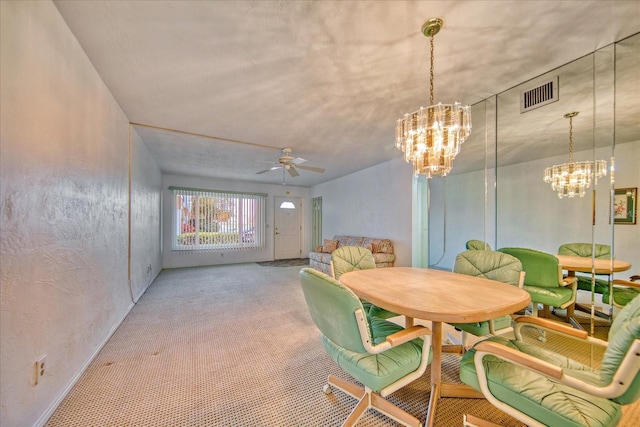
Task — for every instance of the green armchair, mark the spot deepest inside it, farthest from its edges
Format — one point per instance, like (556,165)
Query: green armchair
(544,281)
(379,354)
(494,266)
(544,388)
(350,258)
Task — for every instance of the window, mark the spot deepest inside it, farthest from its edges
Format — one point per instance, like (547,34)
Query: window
(213,220)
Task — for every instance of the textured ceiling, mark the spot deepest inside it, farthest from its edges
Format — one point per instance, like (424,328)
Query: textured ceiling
(327,78)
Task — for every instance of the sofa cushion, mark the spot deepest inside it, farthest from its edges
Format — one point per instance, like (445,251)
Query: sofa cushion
(384,258)
(349,240)
(330,246)
(381,246)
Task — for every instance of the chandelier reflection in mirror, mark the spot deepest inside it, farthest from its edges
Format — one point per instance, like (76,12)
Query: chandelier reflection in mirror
(573,178)
(430,138)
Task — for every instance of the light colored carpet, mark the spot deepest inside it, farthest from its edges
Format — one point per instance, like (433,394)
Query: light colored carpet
(234,346)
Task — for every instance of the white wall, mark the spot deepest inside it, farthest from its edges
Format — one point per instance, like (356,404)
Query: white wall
(374,202)
(64,186)
(171,259)
(146,206)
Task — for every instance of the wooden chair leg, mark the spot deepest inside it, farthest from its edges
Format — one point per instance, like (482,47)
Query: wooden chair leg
(367,399)
(546,312)
(472,421)
(393,412)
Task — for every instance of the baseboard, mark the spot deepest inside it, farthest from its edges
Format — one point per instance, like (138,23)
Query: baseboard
(54,405)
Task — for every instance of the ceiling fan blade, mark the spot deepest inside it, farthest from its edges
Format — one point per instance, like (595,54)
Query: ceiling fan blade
(292,171)
(297,161)
(268,170)
(311,168)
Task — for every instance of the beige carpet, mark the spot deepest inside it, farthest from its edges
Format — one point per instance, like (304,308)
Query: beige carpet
(235,346)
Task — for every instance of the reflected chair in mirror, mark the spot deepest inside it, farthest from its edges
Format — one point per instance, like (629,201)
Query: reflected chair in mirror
(544,282)
(624,291)
(477,245)
(381,355)
(541,387)
(491,265)
(350,258)
(586,250)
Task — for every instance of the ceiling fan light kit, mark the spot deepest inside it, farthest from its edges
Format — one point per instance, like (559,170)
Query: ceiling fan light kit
(573,178)
(290,164)
(430,138)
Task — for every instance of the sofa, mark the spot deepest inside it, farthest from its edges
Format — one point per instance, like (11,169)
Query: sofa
(381,249)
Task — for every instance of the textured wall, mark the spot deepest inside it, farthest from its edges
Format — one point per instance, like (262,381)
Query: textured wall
(375,202)
(64,210)
(146,191)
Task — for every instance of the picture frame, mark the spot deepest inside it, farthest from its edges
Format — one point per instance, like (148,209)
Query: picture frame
(625,205)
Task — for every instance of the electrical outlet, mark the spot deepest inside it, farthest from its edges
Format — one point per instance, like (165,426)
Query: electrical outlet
(39,368)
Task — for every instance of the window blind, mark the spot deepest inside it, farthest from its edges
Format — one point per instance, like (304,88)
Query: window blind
(209,220)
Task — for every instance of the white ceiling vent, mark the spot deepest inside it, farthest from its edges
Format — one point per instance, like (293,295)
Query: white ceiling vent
(543,94)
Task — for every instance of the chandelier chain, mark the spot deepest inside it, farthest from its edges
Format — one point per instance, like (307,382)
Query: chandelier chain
(570,139)
(431,72)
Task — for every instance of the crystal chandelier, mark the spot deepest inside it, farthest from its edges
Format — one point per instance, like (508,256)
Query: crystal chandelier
(430,138)
(573,178)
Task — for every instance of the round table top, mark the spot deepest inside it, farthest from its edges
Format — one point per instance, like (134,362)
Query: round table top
(436,295)
(584,264)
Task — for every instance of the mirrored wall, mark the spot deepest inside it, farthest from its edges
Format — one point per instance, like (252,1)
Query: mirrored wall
(496,191)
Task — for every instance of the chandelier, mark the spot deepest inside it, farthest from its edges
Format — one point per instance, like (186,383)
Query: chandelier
(573,178)
(430,138)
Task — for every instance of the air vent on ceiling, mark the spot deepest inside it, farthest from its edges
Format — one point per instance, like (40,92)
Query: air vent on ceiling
(540,95)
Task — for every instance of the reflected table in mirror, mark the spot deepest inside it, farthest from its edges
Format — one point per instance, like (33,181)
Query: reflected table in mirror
(573,264)
(437,296)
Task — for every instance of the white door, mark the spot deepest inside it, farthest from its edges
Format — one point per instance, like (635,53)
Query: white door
(287,228)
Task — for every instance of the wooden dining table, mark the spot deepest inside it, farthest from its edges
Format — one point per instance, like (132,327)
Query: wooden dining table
(440,297)
(573,263)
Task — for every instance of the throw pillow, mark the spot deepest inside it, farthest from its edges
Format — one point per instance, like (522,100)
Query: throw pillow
(382,246)
(329,246)
(318,248)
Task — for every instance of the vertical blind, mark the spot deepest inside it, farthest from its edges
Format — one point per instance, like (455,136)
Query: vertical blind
(208,220)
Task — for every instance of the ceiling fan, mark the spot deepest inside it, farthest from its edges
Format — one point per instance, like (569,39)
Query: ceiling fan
(290,164)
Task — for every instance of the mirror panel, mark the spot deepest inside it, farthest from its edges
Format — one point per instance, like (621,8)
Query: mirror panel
(462,204)
(503,198)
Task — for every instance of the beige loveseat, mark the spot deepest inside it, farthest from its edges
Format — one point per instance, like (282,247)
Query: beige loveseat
(382,250)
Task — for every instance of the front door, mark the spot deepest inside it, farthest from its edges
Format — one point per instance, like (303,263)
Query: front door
(287,228)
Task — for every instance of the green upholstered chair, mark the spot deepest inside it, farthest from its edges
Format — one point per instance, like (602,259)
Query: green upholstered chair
(544,281)
(350,258)
(494,266)
(379,354)
(477,245)
(544,388)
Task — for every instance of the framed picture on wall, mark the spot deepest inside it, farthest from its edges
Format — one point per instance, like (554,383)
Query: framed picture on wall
(624,205)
